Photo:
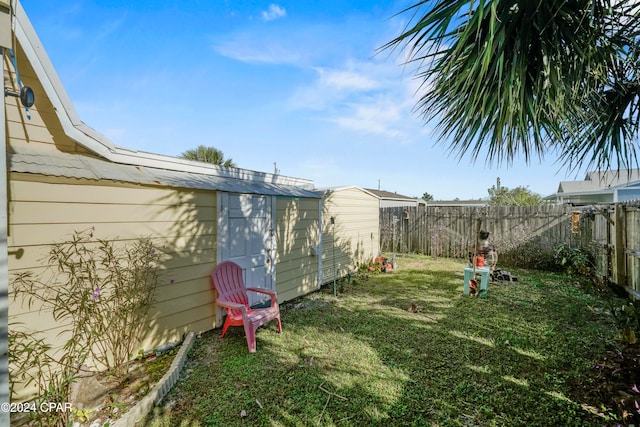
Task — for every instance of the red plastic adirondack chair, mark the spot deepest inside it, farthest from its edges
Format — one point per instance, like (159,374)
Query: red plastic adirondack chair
(232,295)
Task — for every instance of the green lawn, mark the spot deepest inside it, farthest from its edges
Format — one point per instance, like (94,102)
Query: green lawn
(404,348)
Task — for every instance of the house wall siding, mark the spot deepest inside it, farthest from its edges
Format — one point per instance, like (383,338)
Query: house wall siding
(629,194)
(43,128)
(297,231)
(355,236)
(44,210)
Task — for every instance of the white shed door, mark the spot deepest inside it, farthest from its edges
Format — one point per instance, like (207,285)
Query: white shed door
(246,238)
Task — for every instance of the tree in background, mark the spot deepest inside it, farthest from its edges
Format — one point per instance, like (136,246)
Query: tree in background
(519,196)
(208,155)
(427,197)
(509,78)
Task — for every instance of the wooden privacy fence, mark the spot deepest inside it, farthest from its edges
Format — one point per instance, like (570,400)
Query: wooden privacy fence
(449,231)
(616,237)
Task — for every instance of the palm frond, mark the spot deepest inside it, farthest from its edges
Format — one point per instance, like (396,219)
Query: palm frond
(506,78)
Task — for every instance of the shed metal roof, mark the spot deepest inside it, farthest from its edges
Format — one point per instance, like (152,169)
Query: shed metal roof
(55,163)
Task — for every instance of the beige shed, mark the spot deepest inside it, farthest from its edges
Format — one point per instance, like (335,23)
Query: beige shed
(350,230)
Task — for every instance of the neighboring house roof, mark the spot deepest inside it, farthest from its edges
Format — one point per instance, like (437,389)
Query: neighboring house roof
(599,181)
(601,187)
(388,195)
(384,197)
(61,164)
(96,143)
(326,190)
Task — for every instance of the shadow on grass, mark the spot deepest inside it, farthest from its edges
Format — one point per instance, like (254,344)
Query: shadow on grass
(401,349)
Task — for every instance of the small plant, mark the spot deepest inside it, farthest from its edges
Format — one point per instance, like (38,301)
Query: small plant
(627,318)
(32,364)
(112,407)
(82,415)
(100,294)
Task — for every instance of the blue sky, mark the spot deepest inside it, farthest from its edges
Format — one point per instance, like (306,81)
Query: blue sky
(293,82)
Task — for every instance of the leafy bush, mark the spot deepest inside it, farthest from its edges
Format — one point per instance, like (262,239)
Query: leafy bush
(100,294)
(576,261)
(521,248)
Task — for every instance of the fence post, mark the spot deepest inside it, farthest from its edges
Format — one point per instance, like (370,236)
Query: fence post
(620,250)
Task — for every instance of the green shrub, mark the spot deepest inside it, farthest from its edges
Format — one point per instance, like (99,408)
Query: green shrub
(100,294)
(575,261)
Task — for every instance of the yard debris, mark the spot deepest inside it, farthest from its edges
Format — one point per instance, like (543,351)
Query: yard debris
(414,308)
(323,409)
(259,404)
(381,264)
(329,395)
(502,276)
(243,414)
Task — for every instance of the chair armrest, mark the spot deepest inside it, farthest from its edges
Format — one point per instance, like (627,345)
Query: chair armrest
(232,306)
(272,294)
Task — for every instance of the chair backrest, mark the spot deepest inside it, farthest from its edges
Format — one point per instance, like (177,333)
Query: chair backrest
(227,279)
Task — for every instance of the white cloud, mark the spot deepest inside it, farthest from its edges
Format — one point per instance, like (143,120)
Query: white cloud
(245,49)
(276,46)
(369,98)
(335,85)
(109,27)
(380,118)
(274,12)
(345,80)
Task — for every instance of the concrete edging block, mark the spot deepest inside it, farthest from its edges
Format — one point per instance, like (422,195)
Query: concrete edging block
(143,407)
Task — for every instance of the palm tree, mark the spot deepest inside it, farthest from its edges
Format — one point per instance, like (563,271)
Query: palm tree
(209,155)
(508,77)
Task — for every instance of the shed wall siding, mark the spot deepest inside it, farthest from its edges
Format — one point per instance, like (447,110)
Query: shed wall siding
(355,236)
(297,222)
(43,210)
